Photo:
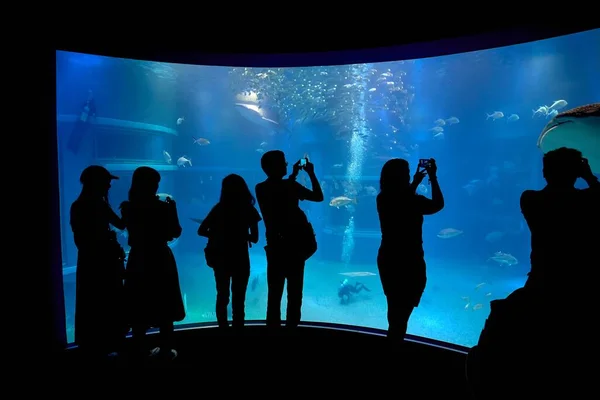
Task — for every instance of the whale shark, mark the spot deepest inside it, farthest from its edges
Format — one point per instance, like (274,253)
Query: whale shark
(256,115)
(578,128)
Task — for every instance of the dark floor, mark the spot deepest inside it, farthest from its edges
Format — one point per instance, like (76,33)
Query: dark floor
(344,363)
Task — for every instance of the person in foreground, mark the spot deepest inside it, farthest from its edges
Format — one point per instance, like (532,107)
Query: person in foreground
(99,324)
(290,237)
(231,227)
(526,331)
(400,260)
(152,288)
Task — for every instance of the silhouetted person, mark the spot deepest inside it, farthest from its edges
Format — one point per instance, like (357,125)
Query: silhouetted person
(562,219)
(83,122)
(400,260)
(523,332)
(151,280)
(231,226)
(290,237)
(99,324)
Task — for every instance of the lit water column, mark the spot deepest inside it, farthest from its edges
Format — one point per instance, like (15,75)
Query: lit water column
(360,131)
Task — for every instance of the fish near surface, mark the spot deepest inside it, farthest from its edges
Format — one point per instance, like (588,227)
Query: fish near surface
(578,128)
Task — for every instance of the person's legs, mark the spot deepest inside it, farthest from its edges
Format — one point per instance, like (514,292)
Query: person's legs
(275,285)
(239,285)
(138,339)
(165,347)
(295,287)
(399,311)
(223,281)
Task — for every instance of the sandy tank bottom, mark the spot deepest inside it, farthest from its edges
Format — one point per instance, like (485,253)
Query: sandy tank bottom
(453,309)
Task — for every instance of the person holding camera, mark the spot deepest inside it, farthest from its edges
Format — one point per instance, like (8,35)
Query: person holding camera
(152,289)
(525,331)
(400,259)
(290,237)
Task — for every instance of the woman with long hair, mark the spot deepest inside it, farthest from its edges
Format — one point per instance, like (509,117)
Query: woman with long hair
(99,325)
(400,259)
(151,281)
(231,227)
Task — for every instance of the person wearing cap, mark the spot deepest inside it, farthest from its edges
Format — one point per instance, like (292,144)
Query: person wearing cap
(152,290)
(99,322)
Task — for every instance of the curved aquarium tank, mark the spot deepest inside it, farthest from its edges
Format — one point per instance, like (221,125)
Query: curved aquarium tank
(479,114)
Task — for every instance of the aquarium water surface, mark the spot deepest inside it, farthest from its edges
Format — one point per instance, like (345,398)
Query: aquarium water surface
(479,114)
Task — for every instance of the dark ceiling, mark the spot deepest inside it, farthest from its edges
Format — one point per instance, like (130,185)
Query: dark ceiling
(144,39)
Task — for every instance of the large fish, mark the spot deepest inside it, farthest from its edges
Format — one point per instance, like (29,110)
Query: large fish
(256,115)
(579,129)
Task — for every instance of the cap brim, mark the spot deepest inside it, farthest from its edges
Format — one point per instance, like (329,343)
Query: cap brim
(113,177)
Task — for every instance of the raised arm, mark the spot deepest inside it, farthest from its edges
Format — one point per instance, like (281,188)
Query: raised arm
(115,220)
(316,194)
(174,225)
(436,204)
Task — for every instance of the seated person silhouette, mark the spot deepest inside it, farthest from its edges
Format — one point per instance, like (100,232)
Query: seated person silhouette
(286,252)
(231,226)
(523,332)
(401,259)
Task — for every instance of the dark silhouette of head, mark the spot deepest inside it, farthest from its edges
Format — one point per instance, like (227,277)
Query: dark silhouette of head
(274,164)
(96,181)
(144,184)
(235,191)
(562,166)
(395,176)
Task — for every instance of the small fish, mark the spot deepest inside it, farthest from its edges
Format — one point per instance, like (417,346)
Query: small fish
(479,286)
(167,157)
(201,141)
(448,233)
(542,110)
(478,306)
(357,274)
(439,122)
(504,259)
(495,115)
(467,306)
(341,201)
(513,118)
(437,129)
(180,120)
(452,121)
(183,161)
(557,105)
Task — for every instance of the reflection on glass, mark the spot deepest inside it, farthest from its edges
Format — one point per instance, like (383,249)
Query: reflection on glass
(478,114)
